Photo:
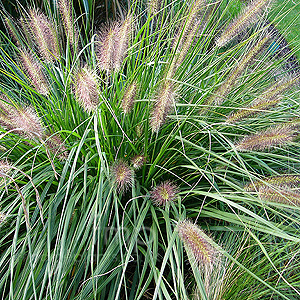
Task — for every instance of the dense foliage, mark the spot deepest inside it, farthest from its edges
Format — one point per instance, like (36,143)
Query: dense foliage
(151,156)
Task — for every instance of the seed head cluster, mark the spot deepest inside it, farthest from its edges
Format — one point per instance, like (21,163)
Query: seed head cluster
(129,98)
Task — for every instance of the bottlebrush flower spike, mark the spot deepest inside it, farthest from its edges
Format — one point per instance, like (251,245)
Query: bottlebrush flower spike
(165,100)
(44,34)
(65,9)
(221,93)
(138,161)
(256,107)
(11,28)
(122,41)
(279,135)
(280,195)
(86,89)
(249,16)
(122,175)
(197,243)
(57,147)
(164,193)
(285,180)
(154,6)
(105,47)
(34,71)
(25,121)
(129,98)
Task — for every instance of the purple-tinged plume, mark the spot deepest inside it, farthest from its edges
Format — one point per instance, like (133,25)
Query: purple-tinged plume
(164,193)
(86,89)
(122,175)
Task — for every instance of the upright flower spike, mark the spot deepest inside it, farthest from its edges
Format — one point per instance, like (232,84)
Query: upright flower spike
(105,49)
(197,244)
(164,193)
(65,10)
(279,135)
(122,175)
(121,44)
(129,98)
(249,16)
(113,44)
(33,70)
(11,28)
(164,102)
(44,34)
(86,89)
(221,93)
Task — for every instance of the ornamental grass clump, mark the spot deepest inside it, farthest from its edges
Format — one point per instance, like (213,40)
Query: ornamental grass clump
(106,147)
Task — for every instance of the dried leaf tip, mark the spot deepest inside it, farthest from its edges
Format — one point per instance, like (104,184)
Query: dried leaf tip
(86,89)
(164,193)
(279,135)
(122,175)
(197,244)
(249,16)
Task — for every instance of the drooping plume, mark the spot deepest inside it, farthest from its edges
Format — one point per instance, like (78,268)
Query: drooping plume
(122,175)
(33,70)
(44,34)
(197,243)
(250,15)
(164,193)
(87,89)
(279,135)
(164,103)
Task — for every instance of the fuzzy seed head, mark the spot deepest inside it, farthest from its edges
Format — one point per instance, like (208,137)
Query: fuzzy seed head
(44,34)
(164,193)
(122,175)
(86,89)
(27,123)
(248,17)
(138,161)
(129,98)
(33,70)
(255,108)
(3,217)
(65,10)
(280,195)
(165,100)
(279,135)
(285,180)
(197,243)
